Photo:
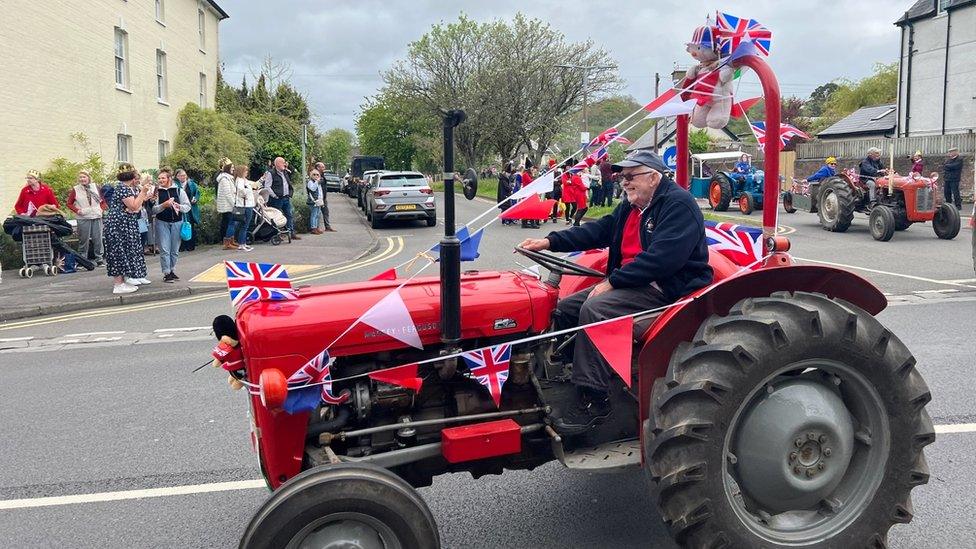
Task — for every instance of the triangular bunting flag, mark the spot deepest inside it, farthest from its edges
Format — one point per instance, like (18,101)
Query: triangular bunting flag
(404,376)
(742,107)
(469,245)
(530,208)
(541,185)
(390,316)
(673,108)
(490,367)
(614,340)
(661,99)
(389,274)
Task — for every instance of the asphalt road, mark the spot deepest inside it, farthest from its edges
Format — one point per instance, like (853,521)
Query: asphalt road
(123,412)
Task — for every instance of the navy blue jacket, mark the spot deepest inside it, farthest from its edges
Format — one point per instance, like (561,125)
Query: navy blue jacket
(673,237)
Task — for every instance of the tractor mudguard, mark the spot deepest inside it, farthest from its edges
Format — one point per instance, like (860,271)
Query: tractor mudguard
(680,323)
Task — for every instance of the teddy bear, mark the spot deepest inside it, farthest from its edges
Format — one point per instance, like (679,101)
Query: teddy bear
(713,94)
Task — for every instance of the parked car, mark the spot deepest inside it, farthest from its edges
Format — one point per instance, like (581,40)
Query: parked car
(334,183)
(361,165)
(362,184)
(400,196)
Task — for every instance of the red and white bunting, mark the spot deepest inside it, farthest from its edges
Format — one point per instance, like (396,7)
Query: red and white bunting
(614,340)
(390,316)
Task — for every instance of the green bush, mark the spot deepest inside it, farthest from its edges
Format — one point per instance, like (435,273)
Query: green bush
(204,137)
(62,174)
(208,231)
(10,255)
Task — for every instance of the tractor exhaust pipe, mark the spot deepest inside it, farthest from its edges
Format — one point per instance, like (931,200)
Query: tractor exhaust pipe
(450,248)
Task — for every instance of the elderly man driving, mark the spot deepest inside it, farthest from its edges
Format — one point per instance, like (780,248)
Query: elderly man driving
(658,254)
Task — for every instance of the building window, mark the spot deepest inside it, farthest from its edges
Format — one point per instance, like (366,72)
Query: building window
(161,75)
(943,4)
(203,90)
(123,147)
(160,11)
(163,150)
(121,58)
(202,28)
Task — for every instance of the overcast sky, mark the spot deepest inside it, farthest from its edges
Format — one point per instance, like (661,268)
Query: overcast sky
(337,48)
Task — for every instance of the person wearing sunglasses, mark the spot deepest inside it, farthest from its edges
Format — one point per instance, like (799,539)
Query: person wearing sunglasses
(829,169)
(658,254)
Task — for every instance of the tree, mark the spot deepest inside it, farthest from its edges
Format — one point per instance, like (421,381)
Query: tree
(289,103)
(204,137)
(335,146)
(384,131)
(818,99)
(698,141)
(878,89)
(227,99)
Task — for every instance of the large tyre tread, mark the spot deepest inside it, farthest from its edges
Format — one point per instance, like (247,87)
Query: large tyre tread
(845,204)
(703,373)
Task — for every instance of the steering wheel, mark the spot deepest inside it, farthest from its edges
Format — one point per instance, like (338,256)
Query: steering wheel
(558,264)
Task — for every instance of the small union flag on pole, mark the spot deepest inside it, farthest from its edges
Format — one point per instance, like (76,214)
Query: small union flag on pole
(258,281)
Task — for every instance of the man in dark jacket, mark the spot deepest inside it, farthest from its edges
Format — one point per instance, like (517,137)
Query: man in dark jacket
(870,170)
(658,254)
(952,170)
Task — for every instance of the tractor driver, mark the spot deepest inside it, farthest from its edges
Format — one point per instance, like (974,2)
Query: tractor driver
(870,169)
(742,168)
(658,254)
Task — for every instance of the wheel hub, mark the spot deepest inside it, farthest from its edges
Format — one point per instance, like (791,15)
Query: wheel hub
(794,445)
(830,206)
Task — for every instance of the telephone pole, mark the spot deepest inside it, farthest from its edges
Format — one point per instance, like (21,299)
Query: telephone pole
(657,91)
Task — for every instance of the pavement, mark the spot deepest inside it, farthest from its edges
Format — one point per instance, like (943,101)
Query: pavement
(201,270)
(103,413)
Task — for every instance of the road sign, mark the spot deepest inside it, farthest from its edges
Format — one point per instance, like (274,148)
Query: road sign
(584,138)
(670,157)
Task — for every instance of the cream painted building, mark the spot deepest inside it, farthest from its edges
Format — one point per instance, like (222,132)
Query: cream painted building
(118,71)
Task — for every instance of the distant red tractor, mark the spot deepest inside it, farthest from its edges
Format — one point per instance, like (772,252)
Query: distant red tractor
(899,202)
(770,409)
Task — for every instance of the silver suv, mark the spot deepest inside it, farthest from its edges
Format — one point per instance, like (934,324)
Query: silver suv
(400,195)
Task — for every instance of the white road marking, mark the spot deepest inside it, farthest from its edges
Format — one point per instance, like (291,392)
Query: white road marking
(13,339)
(255,484)
(876,271)
(963,281)
(944,291)
(95,334)
(190,329)
(132,494)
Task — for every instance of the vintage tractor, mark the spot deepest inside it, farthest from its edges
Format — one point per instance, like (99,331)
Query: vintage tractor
(770,408)
(745,188)
(899,202)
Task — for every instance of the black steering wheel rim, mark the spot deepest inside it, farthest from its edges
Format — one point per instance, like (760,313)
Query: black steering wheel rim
(558,264)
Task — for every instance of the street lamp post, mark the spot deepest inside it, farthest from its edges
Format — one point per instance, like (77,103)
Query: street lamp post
(586,76)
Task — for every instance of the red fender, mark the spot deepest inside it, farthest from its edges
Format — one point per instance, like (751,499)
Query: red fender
(680,323)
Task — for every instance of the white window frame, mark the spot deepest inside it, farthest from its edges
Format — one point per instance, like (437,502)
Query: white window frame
(163,149)
(161,12)
(941,5)
(202,28)
(202,100)
(121,50)
(162,80)
(123,148)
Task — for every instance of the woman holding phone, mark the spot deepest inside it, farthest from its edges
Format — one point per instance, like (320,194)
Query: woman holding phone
(123,247)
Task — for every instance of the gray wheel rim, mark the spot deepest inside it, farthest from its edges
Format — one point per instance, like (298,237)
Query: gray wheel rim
(878,225)
(830,206)
(348,530)
(830,473)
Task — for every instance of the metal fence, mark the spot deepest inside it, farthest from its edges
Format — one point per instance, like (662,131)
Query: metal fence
(904,146)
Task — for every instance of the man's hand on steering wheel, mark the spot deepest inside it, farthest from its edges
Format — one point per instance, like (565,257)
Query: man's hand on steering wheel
(535,244)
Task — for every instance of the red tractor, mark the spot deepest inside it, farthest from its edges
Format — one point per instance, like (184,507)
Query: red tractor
(769,409)
(899,202)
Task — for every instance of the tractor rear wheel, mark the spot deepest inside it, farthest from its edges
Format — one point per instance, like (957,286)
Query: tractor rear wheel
(746,204)
(343,505)
(882,222)
(794,421)
(788,202)
(946,222)
(836,209)
(720,192)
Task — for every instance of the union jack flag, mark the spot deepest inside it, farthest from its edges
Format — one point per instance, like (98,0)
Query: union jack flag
(608,135)
(590,160)
(743,245)
(490,367)
(786,133)
(252,281)
(731,31)
(318,370)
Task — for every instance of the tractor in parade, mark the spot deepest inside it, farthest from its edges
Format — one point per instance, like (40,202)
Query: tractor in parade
(745,188)
(899,202)
(768,409)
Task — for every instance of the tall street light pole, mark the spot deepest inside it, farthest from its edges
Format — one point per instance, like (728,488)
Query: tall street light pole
(586,84)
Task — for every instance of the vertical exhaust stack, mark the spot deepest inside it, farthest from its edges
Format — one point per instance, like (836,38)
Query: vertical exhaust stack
(450,253)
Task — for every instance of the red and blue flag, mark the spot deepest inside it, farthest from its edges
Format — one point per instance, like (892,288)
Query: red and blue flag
(742,245)
(608,135)
(786,133)
(490,367)
(731,31)
(305,399)
(258,281)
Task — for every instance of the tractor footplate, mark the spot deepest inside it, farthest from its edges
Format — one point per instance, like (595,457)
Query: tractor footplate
(605,457)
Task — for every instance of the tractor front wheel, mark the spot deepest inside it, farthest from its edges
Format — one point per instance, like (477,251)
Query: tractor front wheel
(788,202)
(746,204)
(946,222)
(882,221)
(794,421)
(836,205)
(343,505)
(720,192)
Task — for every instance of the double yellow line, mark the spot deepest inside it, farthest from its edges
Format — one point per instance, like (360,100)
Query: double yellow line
(394,245)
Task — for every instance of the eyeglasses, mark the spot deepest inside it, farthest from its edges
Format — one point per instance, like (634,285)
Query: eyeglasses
(630,176)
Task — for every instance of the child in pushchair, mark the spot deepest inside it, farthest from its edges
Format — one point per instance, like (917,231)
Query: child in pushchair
(269,223)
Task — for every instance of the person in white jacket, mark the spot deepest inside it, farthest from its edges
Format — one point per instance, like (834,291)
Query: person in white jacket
(226,191)
(86,202)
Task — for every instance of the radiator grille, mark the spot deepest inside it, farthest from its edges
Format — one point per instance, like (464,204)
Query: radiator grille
(924,199)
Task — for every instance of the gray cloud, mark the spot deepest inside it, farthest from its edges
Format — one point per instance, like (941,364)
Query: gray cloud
(337,49)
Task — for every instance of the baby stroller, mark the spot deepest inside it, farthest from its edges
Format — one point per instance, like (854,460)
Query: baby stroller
(270,225)
(40,238)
